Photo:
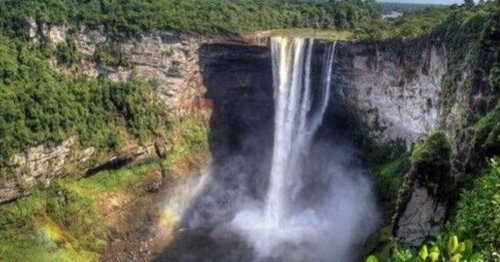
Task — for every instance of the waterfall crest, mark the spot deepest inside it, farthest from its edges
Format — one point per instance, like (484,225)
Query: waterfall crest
(296,120)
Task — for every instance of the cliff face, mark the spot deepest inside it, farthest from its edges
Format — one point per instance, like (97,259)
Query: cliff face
(239,84)
(188,72)
(169,60)
(392,87)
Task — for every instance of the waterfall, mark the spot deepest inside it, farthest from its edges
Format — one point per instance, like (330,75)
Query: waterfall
(296,118)
(309,214)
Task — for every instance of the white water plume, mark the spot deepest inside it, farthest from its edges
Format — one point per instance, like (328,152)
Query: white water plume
(295,124)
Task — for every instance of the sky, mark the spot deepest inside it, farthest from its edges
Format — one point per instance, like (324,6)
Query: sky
(444,2)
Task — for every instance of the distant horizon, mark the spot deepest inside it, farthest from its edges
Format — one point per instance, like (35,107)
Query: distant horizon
(437,2)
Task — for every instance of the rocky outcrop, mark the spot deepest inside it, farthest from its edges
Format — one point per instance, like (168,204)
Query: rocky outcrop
(49,159)
(55,34)
(168,59)
(427,193)
(39,165)
(10,191)
(423,217)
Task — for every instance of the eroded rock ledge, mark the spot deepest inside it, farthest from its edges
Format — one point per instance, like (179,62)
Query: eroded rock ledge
(39,166)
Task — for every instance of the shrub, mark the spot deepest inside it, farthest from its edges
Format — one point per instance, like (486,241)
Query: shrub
(109,54)
(487,133)
(452,251)
(66,53)
(478,211)
(431,162)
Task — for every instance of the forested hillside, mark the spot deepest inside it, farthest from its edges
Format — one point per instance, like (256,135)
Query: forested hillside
(39,104)
(229,17)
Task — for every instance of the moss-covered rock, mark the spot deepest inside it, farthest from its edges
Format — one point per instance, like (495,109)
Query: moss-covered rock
(431,162)
(422,202)
(389,176)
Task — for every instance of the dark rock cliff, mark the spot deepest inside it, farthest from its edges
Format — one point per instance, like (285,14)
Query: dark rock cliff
(238,80)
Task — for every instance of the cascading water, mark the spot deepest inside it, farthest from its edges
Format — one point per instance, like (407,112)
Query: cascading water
(295,121)
(283,224)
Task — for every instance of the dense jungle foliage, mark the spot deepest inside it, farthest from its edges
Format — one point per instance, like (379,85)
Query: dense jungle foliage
(124,18)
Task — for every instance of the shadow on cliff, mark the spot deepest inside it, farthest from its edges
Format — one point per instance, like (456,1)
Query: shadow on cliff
(239,83)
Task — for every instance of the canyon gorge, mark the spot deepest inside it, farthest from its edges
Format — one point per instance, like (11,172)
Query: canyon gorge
(273,151)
